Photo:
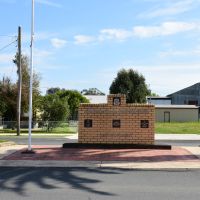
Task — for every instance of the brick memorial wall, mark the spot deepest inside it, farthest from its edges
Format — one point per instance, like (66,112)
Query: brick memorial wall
(116,122)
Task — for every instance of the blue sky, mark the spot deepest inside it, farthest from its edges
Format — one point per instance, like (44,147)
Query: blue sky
(81,44)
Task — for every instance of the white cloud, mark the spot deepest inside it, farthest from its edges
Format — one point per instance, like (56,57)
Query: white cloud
(166,28)
(48,3)
(83,39)
(58,43)
(194,52)
(165,79)
(162,79)
(6,58)
(38,36)
(173,8)
(42,53)
(117,34)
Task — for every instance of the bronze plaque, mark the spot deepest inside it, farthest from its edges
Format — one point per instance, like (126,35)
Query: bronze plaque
(87,123)
(144,124)
(116,123)
(116,101)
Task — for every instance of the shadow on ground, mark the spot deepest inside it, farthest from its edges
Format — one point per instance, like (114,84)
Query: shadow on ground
(79,154)
(16,179)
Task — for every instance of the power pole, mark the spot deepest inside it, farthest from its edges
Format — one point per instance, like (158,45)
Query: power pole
(19,82)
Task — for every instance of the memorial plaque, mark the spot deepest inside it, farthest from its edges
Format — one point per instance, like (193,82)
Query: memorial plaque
(144,123)
(87,123)
(116,101)
(116,123)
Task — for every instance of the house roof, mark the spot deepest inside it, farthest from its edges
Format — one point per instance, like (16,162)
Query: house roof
(158,98)
(177,106)
(191,89)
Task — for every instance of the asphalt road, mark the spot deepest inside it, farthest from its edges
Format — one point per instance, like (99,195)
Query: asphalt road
(59,140)
(97,183)
(56,140)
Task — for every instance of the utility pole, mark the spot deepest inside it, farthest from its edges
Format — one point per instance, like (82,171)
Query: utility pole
(19,82)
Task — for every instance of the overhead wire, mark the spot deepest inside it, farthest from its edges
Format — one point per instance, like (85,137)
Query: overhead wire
(4,47)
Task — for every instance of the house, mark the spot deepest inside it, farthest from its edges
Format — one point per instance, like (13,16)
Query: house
(159,100)
(186,96)
(92,91)
(176,113)
(94,95)
(96,98)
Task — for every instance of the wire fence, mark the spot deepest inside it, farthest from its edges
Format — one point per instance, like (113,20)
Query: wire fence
(70,126)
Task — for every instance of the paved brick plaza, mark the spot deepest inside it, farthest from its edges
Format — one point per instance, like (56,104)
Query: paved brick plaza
(135,155)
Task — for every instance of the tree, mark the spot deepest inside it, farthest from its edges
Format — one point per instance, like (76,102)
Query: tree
(8,92)
(54,109)
(153,94)
(26,83)
(8,97)
(53,90)
(74,98)
(132,84)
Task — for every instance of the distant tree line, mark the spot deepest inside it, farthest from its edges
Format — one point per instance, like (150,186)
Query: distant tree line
(57,105)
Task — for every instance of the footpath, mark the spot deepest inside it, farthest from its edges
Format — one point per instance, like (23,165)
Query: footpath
(178,157)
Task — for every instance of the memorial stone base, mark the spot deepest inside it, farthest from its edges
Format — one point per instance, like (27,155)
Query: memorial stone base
(116,122)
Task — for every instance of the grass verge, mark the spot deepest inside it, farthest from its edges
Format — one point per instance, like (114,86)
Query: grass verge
(1,141)
(178,127)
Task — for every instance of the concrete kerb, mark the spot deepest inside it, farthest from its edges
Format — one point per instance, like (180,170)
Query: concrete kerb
(103,164)
(167,165)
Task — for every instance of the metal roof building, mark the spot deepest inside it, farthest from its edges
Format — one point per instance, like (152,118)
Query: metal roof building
(187,96)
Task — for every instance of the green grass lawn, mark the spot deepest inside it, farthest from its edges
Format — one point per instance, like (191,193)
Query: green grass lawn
(178,127)
(173,127)
(1,141)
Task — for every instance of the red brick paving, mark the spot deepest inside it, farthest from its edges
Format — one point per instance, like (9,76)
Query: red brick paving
(76,154)
(137,155)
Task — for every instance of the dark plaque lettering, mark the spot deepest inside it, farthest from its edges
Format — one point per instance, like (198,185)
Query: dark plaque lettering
(116,101)
(87,123)
(144,124)
(116,123)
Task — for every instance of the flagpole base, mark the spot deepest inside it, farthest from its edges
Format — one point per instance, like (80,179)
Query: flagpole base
(28,151)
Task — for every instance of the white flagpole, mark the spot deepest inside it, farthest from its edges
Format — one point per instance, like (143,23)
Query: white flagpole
(31,78)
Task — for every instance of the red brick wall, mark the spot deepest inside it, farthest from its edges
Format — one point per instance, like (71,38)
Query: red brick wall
(130,116)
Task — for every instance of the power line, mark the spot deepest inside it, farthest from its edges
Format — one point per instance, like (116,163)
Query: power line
(8,45)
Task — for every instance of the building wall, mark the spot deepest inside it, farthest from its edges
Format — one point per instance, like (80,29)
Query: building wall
(159,101)
(124,123)
(96,98)
(187,95)
(177,115)
(182,99)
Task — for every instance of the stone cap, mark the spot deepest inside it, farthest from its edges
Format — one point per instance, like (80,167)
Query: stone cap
(116,100)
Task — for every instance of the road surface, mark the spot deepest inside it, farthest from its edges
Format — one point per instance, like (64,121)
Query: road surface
(98,184)
(59,140)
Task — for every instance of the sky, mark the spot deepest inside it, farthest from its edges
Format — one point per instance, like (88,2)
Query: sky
(81,44)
